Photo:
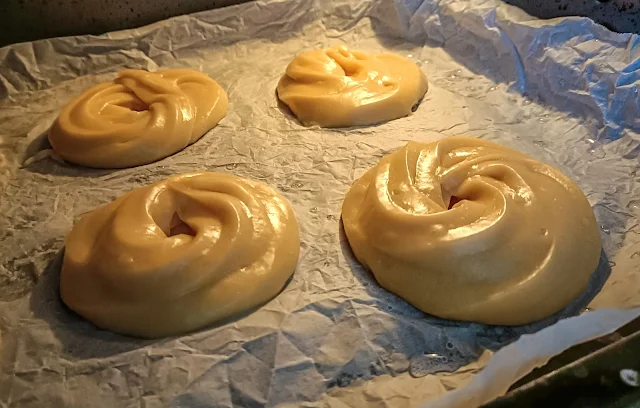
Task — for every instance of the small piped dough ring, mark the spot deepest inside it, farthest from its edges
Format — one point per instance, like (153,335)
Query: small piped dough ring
(466,229)
(336,87)
(180,254)
(138,118)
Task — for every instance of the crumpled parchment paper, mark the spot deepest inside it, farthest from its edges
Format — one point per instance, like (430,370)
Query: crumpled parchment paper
(564,91)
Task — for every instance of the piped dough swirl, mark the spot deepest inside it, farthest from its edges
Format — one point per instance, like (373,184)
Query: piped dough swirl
(138,118)
(180,254)
(336,87)
(466,229)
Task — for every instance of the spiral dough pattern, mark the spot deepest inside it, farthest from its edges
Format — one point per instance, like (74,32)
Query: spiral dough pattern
(138,118)
(337,87)
(180,254)
(470,230)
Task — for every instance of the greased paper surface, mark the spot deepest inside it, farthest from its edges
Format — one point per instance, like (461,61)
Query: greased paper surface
(564,91)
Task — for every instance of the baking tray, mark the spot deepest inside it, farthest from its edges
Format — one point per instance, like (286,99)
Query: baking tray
(602,373)
(333,336)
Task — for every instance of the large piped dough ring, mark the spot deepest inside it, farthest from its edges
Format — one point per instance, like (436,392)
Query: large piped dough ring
(470,230)
(138,118)
(180,254)
(337,87)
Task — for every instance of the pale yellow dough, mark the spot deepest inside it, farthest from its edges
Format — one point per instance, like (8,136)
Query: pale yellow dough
(138,118)
(336,87)
(519,243)
(180,254)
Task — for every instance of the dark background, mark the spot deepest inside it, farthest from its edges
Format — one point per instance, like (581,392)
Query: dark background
(26,20)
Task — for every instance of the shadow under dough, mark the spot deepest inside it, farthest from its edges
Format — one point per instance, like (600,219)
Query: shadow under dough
(80,338)
(366,278)
(49,166)
(290,116)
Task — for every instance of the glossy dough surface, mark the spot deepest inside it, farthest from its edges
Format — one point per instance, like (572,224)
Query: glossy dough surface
(138,118)
(336,87)
(180,254)
(519,242)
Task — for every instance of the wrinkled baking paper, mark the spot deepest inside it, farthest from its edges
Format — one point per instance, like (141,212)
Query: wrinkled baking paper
(564,91)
